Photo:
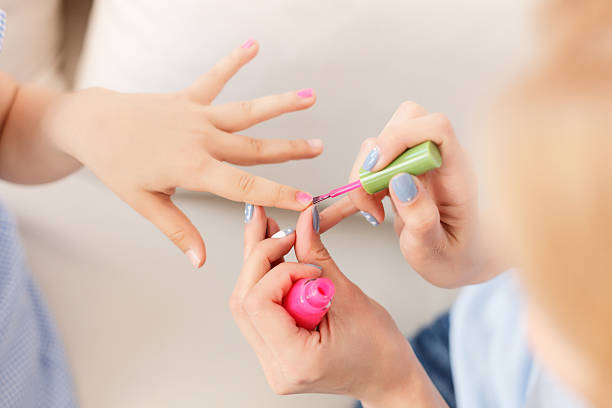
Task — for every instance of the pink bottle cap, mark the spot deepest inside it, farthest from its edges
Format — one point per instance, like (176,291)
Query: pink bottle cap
(319,292)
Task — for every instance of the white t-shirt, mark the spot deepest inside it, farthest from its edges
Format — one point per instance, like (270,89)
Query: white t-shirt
(362,57)
(491,361)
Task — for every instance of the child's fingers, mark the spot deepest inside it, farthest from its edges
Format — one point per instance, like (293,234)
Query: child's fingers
(264,307)
(161,211)
(260,261)
(208,86)
(255,227)
(238,185)
(247,151)
(369,203)
(417,209)
(236,116)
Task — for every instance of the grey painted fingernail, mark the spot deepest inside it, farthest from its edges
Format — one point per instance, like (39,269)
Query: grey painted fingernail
(315,218)
(369,218)
(371,159)
(248,212)
(316,266)
(283,233)
(404,187)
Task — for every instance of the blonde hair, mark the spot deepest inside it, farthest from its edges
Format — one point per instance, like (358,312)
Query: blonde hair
(555,156)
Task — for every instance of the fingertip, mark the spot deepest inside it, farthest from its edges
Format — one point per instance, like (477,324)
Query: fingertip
(250,45)
(316,145)
(307,95)
(304,199)
(196,255)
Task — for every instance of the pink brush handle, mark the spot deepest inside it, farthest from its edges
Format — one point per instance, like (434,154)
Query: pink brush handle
(345,189)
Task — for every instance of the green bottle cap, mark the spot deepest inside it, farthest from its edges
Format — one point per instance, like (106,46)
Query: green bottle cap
(416,160)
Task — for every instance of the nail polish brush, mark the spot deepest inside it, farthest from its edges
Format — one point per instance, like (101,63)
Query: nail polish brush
(416,160)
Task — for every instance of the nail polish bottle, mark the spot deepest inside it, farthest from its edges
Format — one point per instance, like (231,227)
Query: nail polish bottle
(308,300)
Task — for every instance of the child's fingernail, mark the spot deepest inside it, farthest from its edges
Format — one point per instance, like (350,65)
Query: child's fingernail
(305,93)
(248,43)
(283,233)
(369,218)
(371,159)
(316,144)
(303,197)
(248,212)
(316,266)
(404,187)
(315,218)
(193,257)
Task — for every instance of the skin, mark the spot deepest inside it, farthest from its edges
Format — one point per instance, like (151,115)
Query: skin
(386,374)
(144,146)
(439,231)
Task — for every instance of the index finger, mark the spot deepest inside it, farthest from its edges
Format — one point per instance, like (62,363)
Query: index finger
(238,185)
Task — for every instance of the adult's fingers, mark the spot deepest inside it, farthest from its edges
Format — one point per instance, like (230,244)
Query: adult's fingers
(264,306)
(246,151)
(238,185)
(255,228)
(260,261)
(208,86)
(406,132)
(309,248)
(161,211)
(336,212)
(376,158)
(236,116)
(418,211)
(371,204)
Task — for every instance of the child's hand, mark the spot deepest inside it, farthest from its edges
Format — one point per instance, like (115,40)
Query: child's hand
(358,350)
(144,146)
(436,220)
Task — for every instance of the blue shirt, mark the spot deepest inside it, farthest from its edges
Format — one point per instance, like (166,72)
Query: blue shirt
(491,362)
(33,369)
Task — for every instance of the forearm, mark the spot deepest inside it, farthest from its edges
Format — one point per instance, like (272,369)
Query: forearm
(413,388)
(27,155)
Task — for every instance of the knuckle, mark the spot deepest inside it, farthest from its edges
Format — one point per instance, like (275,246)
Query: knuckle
(441,123)
(246,183)
(252,304)
(235,304)
(281,388)
(279,194)
(295,145)
(425,221)
(370,141)
(256,146)
(410,107)
(177,237)
(246,108)
(322,254)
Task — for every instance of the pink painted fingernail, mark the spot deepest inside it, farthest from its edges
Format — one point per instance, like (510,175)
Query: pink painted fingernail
(303,197)
(305,93)
(248,43)
(193,258)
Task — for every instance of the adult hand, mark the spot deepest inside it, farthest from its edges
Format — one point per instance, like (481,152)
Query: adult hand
(357,350)
(436,213)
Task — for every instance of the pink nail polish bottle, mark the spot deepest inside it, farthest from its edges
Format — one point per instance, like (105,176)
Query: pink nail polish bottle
(308,300)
